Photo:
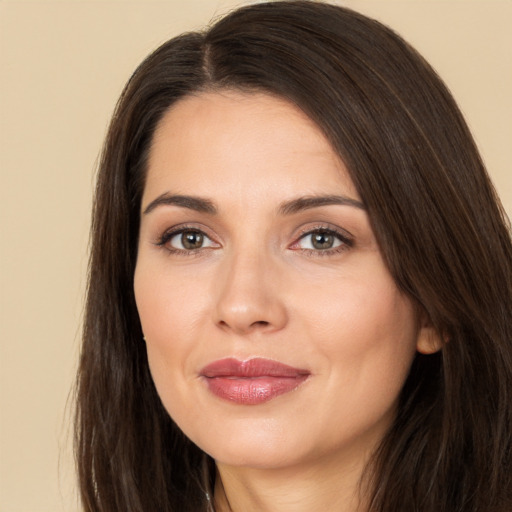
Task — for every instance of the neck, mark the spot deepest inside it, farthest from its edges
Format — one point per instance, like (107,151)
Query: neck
(324,486)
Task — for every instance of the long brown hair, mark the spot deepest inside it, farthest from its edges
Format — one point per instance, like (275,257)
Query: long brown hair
(439,223)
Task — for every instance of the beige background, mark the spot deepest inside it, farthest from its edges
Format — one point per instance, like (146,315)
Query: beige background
(62,66)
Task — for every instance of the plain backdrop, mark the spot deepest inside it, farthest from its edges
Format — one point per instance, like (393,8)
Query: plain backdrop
(62,67)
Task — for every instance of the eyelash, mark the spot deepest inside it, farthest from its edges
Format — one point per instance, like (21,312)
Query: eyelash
(167,236)
(347,241)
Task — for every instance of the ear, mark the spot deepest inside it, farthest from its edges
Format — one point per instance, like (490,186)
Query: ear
(429,340)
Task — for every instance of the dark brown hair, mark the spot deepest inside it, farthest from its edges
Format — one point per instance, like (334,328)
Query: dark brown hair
(433,209)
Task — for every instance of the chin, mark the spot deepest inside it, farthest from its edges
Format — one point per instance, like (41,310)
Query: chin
(261,445)
(255,457)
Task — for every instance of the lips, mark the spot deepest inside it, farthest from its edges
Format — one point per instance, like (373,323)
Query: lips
(251,382)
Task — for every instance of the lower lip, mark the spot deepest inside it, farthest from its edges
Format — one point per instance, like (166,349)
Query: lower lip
(252,390)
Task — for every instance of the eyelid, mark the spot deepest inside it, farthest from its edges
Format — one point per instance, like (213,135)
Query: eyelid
(344,236)
(173,231)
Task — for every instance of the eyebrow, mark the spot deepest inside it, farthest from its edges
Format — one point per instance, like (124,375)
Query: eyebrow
(198,204)
(308,202)
(204,205)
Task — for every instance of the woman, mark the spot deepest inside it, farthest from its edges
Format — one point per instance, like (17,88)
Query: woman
(300,282)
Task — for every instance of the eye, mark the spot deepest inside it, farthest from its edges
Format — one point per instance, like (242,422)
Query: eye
(323,239)
(186,240)
(320,240)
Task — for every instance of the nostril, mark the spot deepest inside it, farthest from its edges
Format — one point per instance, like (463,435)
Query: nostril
(244,327)
(261,323)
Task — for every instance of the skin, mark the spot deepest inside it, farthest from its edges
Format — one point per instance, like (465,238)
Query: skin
(257,287)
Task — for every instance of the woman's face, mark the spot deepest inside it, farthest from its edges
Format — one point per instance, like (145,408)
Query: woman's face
(275,333)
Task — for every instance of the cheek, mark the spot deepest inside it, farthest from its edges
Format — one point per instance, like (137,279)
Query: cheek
(158,304)
(172,306)
(365,327)
(367,337)
(358,305)
(168,303)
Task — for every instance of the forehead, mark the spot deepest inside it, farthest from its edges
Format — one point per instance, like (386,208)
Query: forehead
(242,143)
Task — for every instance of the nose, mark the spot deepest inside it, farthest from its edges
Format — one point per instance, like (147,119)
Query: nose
(249,295)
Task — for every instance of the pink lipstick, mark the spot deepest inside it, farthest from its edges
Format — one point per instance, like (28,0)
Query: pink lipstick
(251,382)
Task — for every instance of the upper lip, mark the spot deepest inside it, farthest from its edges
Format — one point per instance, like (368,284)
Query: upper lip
(256,367)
